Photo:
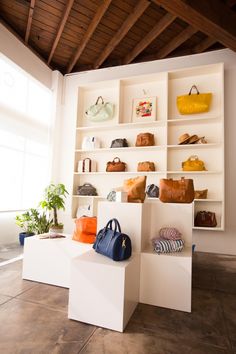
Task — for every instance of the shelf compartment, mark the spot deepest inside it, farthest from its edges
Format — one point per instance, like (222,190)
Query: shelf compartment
(194,146)
(195,120)
(123,126)
(123,149)
(208,228)
(186,252)
(194,172)
(121,173)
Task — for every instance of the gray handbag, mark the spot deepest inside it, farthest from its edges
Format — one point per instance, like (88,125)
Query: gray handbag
(117,143)
(86,189)
(152,191)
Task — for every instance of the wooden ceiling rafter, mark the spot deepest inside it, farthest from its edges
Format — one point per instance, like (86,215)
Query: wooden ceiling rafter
(139,9)
(92,27)
(206,16)
(29,21)
(68,7)
(165,21)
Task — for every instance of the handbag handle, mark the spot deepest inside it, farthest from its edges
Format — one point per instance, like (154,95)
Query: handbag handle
(117,160)
(87,185)
(117,225)
(99,97)
(193,87)
(193,158)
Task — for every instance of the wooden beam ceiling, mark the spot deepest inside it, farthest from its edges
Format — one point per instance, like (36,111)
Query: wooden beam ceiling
(92,27)
(211,17)
(154,33)
(129,22)
(68,7)
(29,22)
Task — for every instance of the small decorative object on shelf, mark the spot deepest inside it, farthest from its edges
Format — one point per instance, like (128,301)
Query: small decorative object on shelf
(100,111)
(201,194)
(87,165)
(112,243)
(176,191)
(144,109)
(116,165)
(117,195)
(205,219)
(145,139)
(193,164)
(185,139)
(194,103)
(117,143)
(87,189)
(146,166)
(90,143)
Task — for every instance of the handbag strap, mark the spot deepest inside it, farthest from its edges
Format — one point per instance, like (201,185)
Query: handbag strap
(193,158)
(117,226)
(193,87)
(99,98)
(116,160)
(90,164)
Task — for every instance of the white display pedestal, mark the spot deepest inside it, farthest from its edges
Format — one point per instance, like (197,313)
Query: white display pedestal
(48,260)
(133,219)
(103,292)
(166,279)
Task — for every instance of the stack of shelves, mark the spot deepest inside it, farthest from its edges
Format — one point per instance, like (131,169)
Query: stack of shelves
(168,126)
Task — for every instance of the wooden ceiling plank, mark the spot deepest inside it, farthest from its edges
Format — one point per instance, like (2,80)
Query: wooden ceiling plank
(155,32)
(211,17)
(60,28)
(29,22)
(127,24)
(176,42)
(92,27)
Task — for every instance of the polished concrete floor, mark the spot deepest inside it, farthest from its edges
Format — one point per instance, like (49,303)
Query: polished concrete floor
(33,318)
(10,251)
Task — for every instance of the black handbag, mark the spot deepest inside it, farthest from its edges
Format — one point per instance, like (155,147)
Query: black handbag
(152,191)
(86,189)
(113,243)
(117,143)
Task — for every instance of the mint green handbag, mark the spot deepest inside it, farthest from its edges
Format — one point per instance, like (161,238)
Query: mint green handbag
(100,111)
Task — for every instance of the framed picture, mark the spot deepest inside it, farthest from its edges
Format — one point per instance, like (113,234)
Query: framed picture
(144,109)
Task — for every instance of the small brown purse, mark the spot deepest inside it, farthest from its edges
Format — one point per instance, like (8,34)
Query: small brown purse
(135,187)
(205,219)
(176,191)
(116,165)
(201,194)
(145,139)
(146,166)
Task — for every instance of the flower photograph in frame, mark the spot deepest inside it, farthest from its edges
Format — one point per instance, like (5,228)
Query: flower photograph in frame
(144,109)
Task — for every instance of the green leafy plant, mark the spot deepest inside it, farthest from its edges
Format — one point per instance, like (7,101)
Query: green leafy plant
(33,221)
(54,199)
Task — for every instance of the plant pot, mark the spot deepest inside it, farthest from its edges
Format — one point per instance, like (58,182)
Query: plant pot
(22,236)
(56,229)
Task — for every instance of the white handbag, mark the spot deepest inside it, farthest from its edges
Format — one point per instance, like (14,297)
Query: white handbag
(87,165)
(90,143)
(84,210)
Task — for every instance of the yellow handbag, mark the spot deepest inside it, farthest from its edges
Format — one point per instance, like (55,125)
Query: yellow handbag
(193,164)
(194,103)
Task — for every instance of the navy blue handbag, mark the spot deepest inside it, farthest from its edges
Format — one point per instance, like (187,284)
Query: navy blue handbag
(112,242)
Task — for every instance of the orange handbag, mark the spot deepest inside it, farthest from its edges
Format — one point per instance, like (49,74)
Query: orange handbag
(85,229)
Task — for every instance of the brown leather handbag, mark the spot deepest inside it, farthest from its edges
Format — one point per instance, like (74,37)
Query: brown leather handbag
(135,187)
(145,139)
(205,219)
(201,194)
(176,191)
(146,166)
(116,165)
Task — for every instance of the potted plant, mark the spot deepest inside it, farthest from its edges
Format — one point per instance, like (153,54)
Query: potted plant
(54,199)
(32,222)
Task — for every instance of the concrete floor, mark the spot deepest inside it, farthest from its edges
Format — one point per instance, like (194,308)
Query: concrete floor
(10,251)
(34,320)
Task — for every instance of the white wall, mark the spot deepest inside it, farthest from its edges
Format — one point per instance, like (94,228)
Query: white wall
(209,241)
(16,51)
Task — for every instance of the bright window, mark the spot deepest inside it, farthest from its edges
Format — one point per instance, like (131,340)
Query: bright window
(25,149)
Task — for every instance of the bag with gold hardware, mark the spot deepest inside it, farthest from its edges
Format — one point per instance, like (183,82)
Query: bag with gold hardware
(176,191)
(116,165)
(135,187)
(112,243)
(193,164)
(201,194)
(145,139)
(194,103)
(146,166)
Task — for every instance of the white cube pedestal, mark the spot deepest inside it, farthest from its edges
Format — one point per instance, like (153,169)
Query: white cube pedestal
(48,260)
(103,292)
(133,219)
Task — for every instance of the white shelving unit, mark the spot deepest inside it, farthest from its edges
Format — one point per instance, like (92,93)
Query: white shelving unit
(168,126)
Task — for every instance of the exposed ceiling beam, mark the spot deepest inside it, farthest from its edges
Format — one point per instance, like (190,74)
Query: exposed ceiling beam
(92,27)
(29,22)
(129,22)
(211,17)
(154,33)
(176,42)
(68,7)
